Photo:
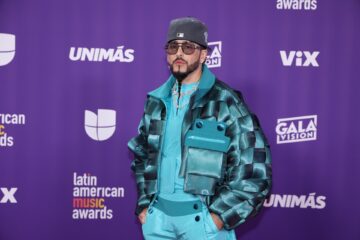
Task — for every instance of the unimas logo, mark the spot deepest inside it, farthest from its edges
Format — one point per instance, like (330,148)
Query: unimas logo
(299,58)
(214,57)
(100,126)
(296,4)
(296,129)
(119,54)
(7,48)
(296,201)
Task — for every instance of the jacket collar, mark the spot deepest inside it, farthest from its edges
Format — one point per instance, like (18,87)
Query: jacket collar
(207,80)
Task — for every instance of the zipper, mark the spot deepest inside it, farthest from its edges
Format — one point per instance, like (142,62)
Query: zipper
(183,150)
(160,150)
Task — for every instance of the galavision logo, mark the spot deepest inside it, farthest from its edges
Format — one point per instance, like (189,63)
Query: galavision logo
(100,126)
(214,57)
(296,4)
(296,129)
(120,54)
(7,48)
(8,195)
(302,58)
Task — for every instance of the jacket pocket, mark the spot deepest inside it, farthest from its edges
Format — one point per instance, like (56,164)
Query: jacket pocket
(207,146)
(204,170)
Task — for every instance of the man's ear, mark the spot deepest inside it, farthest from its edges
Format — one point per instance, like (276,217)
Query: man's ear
(203,55)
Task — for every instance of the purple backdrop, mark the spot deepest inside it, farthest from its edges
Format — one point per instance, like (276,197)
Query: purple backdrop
(296,65)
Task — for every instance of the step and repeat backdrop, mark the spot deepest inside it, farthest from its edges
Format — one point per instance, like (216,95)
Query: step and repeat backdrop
(73,82)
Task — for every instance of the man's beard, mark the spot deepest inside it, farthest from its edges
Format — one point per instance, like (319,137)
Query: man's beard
(182,75)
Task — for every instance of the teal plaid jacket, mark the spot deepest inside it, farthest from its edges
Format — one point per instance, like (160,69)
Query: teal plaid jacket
(237,187)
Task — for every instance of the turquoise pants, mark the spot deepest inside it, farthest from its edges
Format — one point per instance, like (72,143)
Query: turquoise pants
(188,220)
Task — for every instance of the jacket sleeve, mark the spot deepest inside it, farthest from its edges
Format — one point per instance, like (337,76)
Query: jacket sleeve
(138,146)
(248,176)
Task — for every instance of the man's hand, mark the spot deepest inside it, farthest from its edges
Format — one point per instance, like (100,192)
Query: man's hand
(219,224)
(142,216)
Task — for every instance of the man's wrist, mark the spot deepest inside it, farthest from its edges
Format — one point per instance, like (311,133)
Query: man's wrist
(217,220)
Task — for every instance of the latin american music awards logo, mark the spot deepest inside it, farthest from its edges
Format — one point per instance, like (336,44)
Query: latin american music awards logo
(90,201)
(7,123)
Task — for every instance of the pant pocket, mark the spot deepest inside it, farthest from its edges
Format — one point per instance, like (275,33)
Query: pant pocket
(210,226)
(151,214)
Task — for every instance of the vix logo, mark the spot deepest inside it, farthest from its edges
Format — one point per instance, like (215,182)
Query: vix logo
(8,195)
(7,48)
(214,58)
(100,126)
(302,58)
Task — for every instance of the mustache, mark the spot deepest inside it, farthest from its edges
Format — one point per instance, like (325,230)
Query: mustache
(179,59)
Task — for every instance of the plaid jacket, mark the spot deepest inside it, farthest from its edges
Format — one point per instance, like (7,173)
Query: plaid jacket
(237,185)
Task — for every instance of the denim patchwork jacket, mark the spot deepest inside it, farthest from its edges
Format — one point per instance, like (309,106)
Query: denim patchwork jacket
(234,180)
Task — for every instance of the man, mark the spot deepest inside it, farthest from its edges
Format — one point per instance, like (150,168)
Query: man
(202,162)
